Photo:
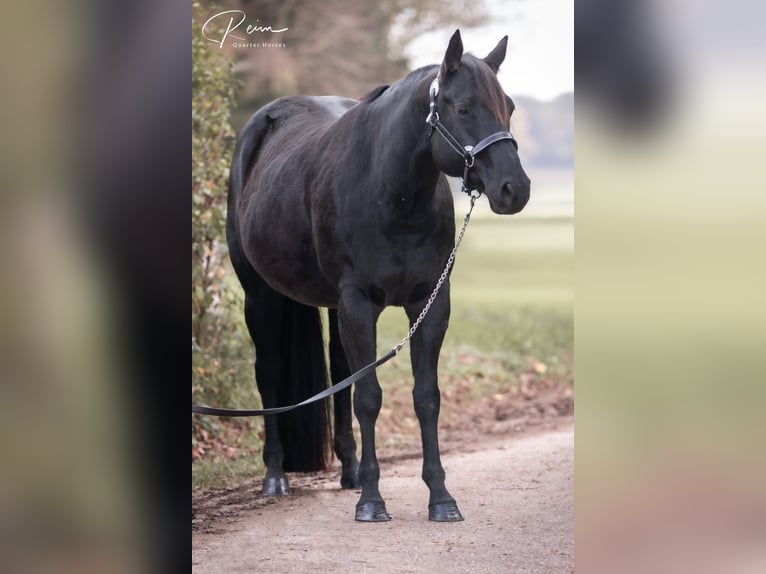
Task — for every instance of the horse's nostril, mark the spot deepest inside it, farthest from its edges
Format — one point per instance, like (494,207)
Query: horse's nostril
(508,188)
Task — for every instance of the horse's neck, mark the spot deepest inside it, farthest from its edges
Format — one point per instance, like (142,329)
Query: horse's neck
(405,158)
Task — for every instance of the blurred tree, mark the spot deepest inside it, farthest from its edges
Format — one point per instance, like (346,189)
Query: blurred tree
(341,47)
(220,347)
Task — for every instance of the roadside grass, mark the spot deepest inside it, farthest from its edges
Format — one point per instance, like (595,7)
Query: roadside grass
(512,313)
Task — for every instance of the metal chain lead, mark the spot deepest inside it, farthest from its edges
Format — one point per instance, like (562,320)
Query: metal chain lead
(474,195)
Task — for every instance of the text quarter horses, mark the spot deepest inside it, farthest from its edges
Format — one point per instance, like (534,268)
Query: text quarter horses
(343,204)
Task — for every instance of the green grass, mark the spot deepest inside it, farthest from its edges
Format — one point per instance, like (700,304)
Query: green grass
(512,305)
(512,293)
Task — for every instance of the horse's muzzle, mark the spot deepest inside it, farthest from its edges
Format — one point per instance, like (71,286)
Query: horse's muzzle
(512,198)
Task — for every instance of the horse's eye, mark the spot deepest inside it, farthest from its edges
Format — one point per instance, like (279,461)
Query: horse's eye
(462,110)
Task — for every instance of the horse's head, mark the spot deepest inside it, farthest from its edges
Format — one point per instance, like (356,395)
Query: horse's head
(472,105)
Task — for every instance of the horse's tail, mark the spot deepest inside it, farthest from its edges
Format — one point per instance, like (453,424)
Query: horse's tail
(304,433)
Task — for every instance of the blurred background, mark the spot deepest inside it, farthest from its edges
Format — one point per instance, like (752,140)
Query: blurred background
(669,273)
(670,314)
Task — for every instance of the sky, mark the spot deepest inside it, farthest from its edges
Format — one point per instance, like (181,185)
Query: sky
(540,57)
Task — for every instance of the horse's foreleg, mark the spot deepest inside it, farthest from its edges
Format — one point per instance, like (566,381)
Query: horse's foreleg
(357,317)
(425,346)
(345,445)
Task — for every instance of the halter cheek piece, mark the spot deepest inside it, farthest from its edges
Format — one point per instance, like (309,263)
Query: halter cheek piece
(468,153)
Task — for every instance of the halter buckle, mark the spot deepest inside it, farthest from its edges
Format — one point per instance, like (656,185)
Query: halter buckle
(433,91)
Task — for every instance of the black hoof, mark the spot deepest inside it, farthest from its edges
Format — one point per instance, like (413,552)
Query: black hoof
(275,486)
(350,480)
(372,512)
(444,512)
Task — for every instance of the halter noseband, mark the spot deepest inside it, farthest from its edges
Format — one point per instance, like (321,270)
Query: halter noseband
(468,153)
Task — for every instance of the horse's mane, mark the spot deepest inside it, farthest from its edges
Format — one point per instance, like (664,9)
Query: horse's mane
(404,82)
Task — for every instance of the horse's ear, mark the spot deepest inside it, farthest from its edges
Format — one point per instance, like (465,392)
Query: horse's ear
(453,55)
(496,56)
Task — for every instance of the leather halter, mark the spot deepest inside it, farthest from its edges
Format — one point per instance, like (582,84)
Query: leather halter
(467,152)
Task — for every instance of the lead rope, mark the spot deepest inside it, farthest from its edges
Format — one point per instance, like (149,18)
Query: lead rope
(474,196)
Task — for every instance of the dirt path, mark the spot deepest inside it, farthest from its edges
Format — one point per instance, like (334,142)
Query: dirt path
(522,522)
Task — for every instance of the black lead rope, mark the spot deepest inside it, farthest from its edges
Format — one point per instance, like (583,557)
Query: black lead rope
(203,410)
(469,154)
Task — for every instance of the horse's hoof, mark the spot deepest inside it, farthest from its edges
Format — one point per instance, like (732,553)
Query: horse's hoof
(275,486)
(350,480)
(444,512)
(372,512)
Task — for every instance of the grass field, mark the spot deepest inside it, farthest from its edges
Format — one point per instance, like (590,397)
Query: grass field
(511,290)
(512,306)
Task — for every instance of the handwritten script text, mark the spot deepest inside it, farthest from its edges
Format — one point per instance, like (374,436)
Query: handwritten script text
(231,26)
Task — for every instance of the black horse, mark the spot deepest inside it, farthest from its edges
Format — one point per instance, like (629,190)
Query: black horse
(342,204)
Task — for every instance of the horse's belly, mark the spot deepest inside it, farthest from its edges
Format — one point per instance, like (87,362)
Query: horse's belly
(282,252)
(300,284)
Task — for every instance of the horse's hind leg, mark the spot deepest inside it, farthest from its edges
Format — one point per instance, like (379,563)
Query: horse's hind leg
(345,445)
(425,346)
(263,315)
